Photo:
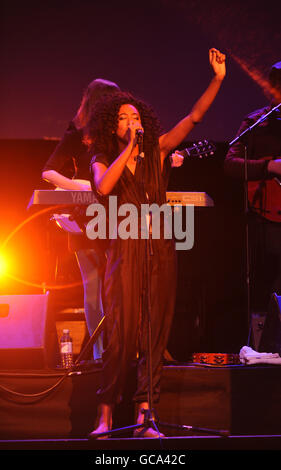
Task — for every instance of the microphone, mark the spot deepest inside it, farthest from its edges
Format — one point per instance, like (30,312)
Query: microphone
(139,133)
(139,136)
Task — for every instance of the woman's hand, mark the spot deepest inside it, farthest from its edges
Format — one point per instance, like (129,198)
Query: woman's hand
(176,159)
(217,61)
(132,130)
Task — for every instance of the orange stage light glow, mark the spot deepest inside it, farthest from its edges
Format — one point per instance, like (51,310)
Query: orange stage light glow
(43,286)
(3,265)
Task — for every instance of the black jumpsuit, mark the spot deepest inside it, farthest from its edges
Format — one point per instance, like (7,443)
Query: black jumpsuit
(125,288)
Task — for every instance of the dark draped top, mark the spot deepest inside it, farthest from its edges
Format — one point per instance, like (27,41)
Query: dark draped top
(147,184)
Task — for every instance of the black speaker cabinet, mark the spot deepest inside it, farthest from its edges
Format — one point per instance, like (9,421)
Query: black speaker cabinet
(271,335)
(28,337)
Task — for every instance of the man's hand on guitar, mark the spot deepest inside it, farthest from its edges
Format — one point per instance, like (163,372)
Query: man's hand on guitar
(274,166)
(176,159)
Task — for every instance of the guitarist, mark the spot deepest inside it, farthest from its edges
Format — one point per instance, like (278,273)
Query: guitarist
(72,152)
(263,145)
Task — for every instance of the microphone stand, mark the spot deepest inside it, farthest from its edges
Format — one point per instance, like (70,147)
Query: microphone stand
(242,137)
(149,421)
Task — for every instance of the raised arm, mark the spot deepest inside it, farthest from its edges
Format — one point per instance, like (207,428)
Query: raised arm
(175,136)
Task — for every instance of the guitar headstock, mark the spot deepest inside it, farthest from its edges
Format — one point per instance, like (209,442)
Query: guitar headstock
(200,149)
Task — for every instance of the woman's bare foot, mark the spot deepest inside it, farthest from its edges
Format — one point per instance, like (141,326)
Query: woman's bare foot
(105,423)
(148,432)
(145,431)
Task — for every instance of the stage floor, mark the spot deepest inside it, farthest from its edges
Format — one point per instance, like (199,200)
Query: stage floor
(197,443)
(50,409)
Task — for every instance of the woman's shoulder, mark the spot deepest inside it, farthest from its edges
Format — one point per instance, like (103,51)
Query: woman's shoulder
(100,158)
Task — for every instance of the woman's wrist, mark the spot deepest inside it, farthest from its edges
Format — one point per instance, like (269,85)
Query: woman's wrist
(219,77)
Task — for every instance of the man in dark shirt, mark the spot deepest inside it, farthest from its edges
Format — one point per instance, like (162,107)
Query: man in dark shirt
(263,149)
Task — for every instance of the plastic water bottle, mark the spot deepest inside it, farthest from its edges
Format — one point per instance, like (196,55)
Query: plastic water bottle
(66,350)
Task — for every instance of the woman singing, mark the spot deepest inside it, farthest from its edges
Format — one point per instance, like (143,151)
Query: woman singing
(130,281)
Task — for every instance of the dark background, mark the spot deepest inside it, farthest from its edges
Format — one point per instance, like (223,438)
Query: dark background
(159,51)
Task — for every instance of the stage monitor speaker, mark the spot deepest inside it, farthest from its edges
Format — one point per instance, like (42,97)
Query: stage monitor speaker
(271,335)
(28,337)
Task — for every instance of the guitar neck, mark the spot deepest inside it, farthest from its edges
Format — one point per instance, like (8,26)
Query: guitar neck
(199,150)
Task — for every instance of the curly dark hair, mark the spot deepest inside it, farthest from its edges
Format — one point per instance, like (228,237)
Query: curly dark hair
(104,121)
(101,133)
